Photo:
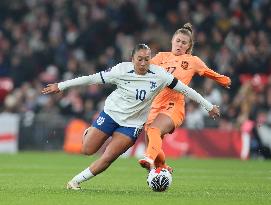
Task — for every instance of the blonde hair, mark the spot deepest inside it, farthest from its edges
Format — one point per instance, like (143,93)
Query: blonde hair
(187,30)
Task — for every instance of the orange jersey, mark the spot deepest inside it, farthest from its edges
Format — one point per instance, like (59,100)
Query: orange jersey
(183,67)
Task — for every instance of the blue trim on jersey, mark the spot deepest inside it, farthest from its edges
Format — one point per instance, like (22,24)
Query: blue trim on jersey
(150,72)
(107,125)
(102,77)
(132,71)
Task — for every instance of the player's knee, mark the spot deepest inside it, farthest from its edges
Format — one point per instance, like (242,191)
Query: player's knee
(86,150)
(85,135)
(153,130)
(162,130)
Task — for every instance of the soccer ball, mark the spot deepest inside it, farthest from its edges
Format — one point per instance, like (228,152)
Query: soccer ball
(159,179)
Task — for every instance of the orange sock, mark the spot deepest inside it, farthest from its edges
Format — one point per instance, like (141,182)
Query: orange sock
(155,142)
(160,159)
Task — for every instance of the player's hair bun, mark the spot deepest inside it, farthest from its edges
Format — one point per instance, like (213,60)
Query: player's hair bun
(188,26)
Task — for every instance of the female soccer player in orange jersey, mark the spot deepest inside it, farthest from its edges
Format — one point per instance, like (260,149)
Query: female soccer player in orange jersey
(168,108)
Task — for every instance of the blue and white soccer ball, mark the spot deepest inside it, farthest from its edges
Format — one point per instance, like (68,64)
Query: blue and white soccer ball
(159,179)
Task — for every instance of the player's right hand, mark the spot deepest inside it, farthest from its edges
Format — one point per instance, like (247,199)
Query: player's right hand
(215,112)
(50,88)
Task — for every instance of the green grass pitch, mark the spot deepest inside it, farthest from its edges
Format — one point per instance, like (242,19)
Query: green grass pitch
(40,178)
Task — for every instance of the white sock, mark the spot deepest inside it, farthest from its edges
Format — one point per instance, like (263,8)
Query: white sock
(83,176)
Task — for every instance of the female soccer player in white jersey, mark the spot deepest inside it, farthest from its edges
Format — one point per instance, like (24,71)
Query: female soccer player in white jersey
(126,108)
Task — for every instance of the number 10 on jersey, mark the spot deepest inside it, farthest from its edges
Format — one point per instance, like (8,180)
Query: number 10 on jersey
(140,94)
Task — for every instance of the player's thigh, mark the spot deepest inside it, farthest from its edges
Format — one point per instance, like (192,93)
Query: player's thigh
(168,119)
(151,116)
(164,123)
(93,139)
(119,144)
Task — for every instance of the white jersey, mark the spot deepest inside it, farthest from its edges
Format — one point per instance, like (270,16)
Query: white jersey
(130,103)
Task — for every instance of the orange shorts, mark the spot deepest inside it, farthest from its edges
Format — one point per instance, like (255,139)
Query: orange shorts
(176,111)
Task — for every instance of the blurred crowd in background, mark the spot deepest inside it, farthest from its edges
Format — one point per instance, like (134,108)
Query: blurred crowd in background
(47,41)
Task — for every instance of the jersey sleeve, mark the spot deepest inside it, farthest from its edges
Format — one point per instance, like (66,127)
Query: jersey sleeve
(111,75)
(192,94)
(199,65)
(107,76)
(168,78)
(203,70)
(84,80)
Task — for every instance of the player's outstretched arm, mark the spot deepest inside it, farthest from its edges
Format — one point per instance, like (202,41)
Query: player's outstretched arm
(223,80)
(84,80)
(213,110)
(203,70)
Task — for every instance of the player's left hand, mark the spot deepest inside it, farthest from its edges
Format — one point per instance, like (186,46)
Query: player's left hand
(215,112)
(50,88)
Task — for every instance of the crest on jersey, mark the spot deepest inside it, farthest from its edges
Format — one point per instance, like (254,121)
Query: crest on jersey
(100,120)
(137,132)
(184,65)
(153,85)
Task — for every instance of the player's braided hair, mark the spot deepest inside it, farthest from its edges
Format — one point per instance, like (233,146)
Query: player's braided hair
(187,30)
